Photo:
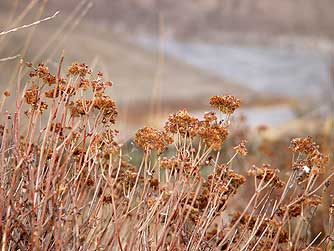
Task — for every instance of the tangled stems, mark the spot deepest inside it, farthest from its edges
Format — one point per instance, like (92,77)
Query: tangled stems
(67,184)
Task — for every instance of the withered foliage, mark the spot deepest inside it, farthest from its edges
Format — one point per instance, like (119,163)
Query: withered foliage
(66,184)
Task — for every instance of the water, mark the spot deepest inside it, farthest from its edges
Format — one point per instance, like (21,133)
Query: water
(278,70)
(270,116)
(256,116)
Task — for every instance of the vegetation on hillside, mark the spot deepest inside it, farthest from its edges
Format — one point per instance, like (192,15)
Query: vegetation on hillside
(66,184)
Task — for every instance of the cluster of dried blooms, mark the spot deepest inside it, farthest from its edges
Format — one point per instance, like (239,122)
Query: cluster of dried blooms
(65,182)
(309,159)
(211,131)
(226,104)
(152,139)
(266,174)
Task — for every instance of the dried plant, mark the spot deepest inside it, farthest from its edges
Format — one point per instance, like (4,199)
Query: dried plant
(67,185)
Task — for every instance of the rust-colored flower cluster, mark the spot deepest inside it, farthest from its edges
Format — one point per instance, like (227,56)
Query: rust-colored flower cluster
(266,174)
(209,130)
(80,69)
(152,139)
(305,145)
(309,155)
(107,107)
(42,72)
(32,95)
(241,148)
(183,123)
(65,89)
(226,104)
(170,163)
(213,135)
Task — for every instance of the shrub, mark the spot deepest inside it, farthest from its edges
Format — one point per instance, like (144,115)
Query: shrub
(66,184)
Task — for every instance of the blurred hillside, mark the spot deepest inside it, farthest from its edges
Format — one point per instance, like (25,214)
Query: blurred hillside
(145,82)
(205,18)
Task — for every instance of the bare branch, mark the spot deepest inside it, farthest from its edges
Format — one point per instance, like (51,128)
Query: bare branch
(29,25)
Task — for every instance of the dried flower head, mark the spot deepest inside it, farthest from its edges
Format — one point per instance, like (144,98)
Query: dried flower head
(267,174)
(31,95)
(84,83)
(107,106)
(42,73)
(236,179)
(79,69)
(210,117)
(80,107)
(312,157)
(98,85)
(226,104)
(182,122)
(43,106)
(241,148)
(6,93)
(152,139)
(170,163)
(52,93)
(318,159)
(213,135)
(305,145)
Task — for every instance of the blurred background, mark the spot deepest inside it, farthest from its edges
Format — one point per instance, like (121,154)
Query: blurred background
(164,55)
